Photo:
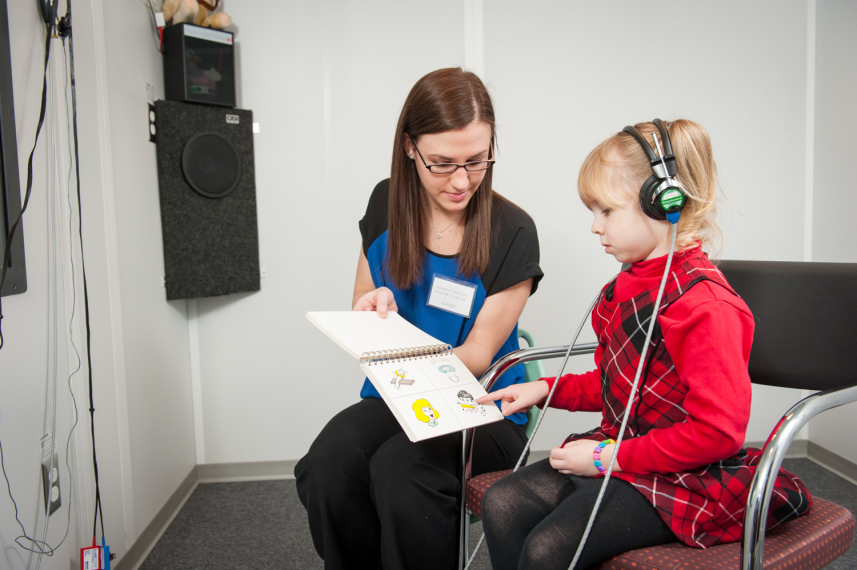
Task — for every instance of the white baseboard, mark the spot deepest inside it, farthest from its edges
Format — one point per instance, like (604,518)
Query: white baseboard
(249,471)
(833,462)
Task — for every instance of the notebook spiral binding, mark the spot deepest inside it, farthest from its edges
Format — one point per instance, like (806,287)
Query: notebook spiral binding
(385,356)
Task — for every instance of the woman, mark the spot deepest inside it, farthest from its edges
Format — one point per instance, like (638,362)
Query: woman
(373,497)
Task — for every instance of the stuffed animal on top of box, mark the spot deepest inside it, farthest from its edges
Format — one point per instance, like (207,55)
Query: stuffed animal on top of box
(198,12)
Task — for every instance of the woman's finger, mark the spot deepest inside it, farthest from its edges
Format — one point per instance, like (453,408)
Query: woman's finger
(381,303)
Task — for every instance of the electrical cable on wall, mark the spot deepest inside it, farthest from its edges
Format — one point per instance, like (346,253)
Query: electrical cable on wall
(65,29)
(50,551)
(73,289)
(52,294)
(41,547)
(38,546)
(54,221)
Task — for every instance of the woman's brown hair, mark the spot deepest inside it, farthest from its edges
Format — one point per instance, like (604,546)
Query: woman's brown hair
(443,100)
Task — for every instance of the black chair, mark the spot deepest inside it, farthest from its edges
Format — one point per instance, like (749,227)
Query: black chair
(806,317)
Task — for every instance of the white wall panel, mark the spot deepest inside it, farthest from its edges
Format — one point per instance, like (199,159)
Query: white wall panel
(154,331)
(25,360)
(326,82)
(563,76)
(835,234)
(836,121)
(27,356)
(566,75)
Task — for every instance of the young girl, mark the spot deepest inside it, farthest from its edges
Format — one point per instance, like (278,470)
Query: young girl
(681,472)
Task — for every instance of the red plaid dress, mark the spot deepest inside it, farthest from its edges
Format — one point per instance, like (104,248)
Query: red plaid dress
(705,506)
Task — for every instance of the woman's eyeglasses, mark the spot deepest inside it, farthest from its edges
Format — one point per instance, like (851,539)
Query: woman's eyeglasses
(449,168)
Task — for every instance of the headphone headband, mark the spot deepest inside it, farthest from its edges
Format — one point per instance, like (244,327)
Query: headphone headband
(655,199)
(654,160)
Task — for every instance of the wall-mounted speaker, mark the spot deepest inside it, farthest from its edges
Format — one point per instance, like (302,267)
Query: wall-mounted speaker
(208,199)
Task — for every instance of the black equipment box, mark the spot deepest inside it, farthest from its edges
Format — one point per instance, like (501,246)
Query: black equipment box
(199,65)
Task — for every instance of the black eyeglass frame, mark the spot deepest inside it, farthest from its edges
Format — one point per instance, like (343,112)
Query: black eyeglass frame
(487,162)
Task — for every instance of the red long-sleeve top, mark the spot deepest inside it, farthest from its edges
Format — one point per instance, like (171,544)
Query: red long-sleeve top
(708,332)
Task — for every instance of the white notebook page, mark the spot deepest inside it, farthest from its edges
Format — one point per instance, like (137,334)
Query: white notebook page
(358,332)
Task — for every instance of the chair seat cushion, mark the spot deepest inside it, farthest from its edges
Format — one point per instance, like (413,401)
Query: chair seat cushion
(476,488)
(810,541)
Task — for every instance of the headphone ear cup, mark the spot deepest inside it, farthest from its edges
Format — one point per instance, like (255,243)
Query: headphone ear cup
(647,196)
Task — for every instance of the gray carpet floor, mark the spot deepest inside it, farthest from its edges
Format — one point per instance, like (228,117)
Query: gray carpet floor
(261,525)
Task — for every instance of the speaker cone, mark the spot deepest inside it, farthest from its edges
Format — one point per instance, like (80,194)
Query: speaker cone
(211,165)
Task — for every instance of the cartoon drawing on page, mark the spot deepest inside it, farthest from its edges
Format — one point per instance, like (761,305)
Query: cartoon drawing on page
(468,403)
(425,412)
(444,366)
(399,378)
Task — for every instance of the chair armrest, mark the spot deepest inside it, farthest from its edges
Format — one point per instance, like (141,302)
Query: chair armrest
(503,365)
(759,496)
(512,359)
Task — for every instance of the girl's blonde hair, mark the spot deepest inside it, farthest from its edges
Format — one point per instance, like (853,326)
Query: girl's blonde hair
(696,172)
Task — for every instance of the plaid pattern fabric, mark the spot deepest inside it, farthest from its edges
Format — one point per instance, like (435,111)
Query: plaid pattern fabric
(703,507)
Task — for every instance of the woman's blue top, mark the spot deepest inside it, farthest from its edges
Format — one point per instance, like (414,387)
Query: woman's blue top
(514,257)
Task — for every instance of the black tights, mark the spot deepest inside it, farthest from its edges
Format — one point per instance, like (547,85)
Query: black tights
(535,518)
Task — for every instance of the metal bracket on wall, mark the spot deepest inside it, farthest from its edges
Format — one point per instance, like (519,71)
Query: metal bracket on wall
(153,130)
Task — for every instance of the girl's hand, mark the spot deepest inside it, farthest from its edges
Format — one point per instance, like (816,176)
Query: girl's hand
(381,300)
(518,397)
(576,458)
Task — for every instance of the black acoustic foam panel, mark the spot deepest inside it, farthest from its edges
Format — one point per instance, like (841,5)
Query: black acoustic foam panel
(211,244)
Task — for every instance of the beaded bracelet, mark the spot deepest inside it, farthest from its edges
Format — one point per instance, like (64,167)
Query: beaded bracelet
(596,454)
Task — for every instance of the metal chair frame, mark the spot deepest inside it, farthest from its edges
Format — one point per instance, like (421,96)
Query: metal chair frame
(503,365)
(759,496)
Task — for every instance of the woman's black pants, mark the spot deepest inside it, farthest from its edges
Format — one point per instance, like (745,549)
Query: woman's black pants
(375,499)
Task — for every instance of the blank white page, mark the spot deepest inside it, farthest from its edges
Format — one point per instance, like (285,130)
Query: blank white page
(358,332)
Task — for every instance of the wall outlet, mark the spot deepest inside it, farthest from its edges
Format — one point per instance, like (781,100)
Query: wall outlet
(51,484)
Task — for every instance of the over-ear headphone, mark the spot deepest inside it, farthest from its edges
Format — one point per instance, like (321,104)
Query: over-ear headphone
(660,194)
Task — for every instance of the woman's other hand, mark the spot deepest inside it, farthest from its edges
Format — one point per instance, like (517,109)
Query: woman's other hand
(366,297)
(518,397)
(381,300)
(576,458)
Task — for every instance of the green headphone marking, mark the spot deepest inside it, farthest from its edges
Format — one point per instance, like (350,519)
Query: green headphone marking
(671,198)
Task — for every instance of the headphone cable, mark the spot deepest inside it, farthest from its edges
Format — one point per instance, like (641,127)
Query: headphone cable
(673,219)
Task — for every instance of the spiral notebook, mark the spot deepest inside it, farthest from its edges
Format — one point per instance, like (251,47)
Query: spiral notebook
(423,382)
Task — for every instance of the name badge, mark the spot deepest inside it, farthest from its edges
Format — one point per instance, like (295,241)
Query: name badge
(451,295)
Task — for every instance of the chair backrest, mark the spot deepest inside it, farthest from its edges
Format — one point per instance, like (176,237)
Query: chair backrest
(806,318)
(532,372)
